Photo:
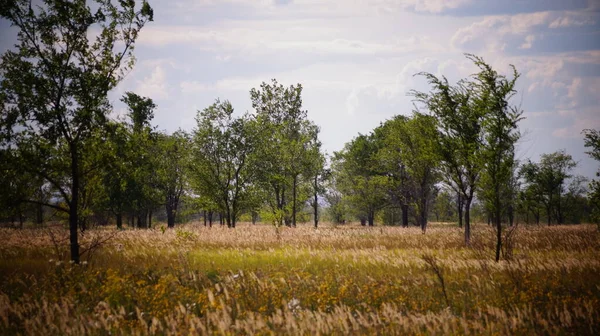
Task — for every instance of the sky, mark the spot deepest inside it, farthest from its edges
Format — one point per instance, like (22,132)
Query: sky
(356,60)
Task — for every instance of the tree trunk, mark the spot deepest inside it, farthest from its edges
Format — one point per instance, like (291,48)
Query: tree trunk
(460,204)
(210,218)
(204,216)
(363,221)
(498,235)
(316,202)
(21,219)
(170,216)
(119,221)
(423,215)
(371,218)
(498,222)
(294,191)
(149,218)
(40,215)
(405,215)
(74,206)
(511,215)
(468,221)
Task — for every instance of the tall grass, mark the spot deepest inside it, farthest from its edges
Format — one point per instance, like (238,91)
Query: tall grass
(334,280)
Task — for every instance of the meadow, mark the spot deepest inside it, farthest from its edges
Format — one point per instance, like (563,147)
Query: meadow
(344,280)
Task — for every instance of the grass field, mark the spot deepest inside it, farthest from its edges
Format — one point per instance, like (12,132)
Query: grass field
(334,280)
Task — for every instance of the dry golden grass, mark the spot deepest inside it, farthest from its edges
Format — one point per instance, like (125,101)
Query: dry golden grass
(334,280)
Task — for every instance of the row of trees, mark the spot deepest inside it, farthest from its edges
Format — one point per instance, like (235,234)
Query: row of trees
(456,149)
(60,150)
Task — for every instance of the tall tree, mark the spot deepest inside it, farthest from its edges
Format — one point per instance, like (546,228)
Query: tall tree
(460,137)
(223,164)
(592,141)
(492,93)
(285,151)
(54,85)
(171,178)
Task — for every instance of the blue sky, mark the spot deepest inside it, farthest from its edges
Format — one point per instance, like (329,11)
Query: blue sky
(356,60)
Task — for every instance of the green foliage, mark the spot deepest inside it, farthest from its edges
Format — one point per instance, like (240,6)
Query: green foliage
(592,141)
(53,92)
(289,153)
(223,160)
(546,181)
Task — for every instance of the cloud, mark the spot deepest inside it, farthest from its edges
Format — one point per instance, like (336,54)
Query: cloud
(511,33)
(155,85)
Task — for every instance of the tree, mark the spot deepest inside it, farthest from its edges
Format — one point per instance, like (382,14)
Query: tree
(592,140)
(287,138)
(414,143)
(144,156)
(548,179)
(171,164)
(460,135)
(223,164)
(359,177)
(492,92)
(54,86)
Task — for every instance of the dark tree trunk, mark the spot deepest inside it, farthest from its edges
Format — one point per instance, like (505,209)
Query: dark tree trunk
(498,222)
(119,221)
(149,218)
(405,215)
(74,206)
(363,221)
(294,187)
(210,218)
(316,202)
(468,221)
(204,216)
(21,219)
(40,215)
(423,214)
(170,220)
(371,218)
(254,215)
(460,205)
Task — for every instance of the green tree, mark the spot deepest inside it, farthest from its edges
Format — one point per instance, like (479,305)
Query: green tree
(171,164)
(223,165)
(414,142)
(460,133)
(592,141)
(54,84)
(287,146)
(492,92)
(548,178)
(360,179)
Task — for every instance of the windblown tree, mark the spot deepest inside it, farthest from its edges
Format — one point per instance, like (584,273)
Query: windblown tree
(460,137)
(53,92)
(222,165)
(492,93)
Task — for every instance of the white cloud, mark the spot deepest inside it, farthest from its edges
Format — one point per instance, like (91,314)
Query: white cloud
(155,85)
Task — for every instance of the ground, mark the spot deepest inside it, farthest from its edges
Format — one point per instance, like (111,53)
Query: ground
(340,280)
